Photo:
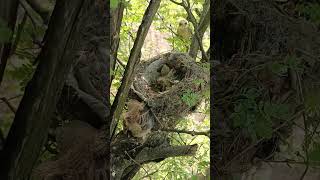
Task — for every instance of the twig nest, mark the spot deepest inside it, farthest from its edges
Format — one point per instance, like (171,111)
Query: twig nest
(172,84)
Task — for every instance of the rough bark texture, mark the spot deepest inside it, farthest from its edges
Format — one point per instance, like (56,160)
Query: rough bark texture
(30,127)
(42,8)
(83,146)
(128,156)
(85,95)
(202,27)
(116,19)
(8,14)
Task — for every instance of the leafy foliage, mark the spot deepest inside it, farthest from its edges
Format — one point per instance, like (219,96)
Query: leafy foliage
(190,98)
(289,62)
(256,117)
(312,101)
(310,11)
(114,3)
(23,74)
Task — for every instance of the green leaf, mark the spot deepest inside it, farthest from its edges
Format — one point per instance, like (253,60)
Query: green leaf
(281,111)
(252,133)
(278,68)
(263,128)
(240,119)
(194,177)
(312,100)
(294,63)
(251,93)
(114,4)
(198,81)
(190,98)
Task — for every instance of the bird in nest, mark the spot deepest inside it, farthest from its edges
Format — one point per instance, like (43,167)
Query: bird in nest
(137,122)
(166,78)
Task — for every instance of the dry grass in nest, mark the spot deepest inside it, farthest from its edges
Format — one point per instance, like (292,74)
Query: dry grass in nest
(188,77)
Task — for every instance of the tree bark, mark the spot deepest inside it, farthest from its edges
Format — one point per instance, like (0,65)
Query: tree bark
(228,30)
(42,8)
(116,19)
(30,127)
(202,27)
(123,91)
(8,14)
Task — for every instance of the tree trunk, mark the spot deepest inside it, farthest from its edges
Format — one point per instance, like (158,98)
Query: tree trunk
(202,27)
(30,127)
(42,8)
(116,19)
(228,30)
(8,14)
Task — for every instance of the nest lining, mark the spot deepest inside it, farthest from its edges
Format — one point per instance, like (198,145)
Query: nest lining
(185,76)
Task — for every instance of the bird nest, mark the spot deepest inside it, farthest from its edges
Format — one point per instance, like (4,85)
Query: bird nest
(172,84)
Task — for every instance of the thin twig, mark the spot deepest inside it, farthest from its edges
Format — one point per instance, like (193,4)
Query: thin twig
(140,165)
(149,174)
(33,21)
(140,95)
(121,63)
(306,135)
(289,161)
(14,97)
(193,133)
(177,3)
(11,107)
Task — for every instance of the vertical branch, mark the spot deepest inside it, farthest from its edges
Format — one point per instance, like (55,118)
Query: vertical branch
(11,107)
(31,123)
(18,34)
(116,20)
(2,139)
(186,5)
(42,8)
(203,25)
(8,14)
(123,91)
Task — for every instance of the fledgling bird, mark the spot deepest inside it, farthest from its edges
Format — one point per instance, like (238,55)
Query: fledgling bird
(165,80)
(184,31)
(164,70)
(136,121)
